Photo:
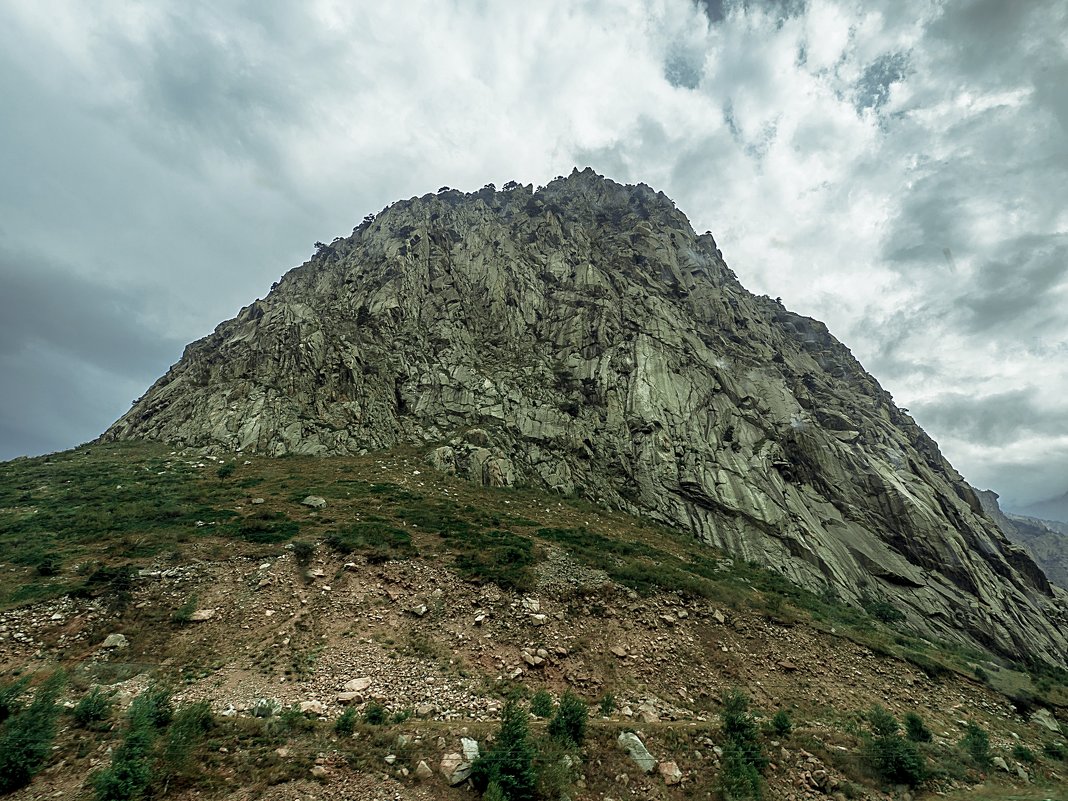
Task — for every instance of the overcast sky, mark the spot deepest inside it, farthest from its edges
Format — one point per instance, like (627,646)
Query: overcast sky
(896,169)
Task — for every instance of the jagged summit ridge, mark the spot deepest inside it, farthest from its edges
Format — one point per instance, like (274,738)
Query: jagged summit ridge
(583,337)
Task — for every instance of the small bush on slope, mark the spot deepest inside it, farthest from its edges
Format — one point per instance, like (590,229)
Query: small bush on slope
(26,737)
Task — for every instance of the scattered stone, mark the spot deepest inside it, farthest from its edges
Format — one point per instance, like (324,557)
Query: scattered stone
(257,500)
(619,651)
(423,771)
(359,685)
(318,772)
(201,615)
(314,707)
(116,641)
(1000,763)
(719,617)
(670,773)
(314,501)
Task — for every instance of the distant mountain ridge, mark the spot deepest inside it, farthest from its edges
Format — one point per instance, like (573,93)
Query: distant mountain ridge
(1053,509)
(582,337)
(1045,540)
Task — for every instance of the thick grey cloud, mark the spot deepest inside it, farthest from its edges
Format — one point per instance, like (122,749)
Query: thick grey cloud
(896,169)
(994,420)
(45,305)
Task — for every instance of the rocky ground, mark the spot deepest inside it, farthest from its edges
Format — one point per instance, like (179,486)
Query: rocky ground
(442,653)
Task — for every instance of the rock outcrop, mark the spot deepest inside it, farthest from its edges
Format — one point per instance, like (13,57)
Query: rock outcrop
(583,338)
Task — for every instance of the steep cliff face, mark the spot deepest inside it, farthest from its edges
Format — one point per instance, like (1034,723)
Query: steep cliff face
(584,338)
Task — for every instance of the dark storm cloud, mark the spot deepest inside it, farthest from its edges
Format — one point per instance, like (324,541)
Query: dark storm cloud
(164,162)
(73,353)
(1018,293)
(202,86)
(717,10)
(50,306)
(986,36)
(991,420)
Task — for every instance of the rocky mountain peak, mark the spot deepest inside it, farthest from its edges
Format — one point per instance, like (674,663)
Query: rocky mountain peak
(582,337)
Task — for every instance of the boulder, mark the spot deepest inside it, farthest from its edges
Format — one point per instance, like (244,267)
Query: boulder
(636,750)
(670,773)
(469,748)
(423,771)
(454,768)
(1045,719)
(115,641)
(314,501)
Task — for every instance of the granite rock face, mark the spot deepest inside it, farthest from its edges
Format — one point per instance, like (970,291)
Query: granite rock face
(583,338)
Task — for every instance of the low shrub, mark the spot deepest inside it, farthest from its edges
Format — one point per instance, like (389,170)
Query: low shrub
(1055,750)
(568,725)
(882,610)
(186,730)
(743,756)
(130,773)
(375,714)
(10,695)
(49,566)
(345,725)
(781,723)
(541,705)
(184,613)
(1022,753)
(894,758)
(607,705)
(154,704)
(738,777)
(976,744)
(378,541)
(740,728)
(26,736)
(509,765)
(302,552)
(93,710)
(915,729)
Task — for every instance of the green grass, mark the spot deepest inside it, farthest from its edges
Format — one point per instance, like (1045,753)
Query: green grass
(93,515)
(376,540)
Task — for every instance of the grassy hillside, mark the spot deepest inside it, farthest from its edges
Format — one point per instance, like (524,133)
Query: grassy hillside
(390,577)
